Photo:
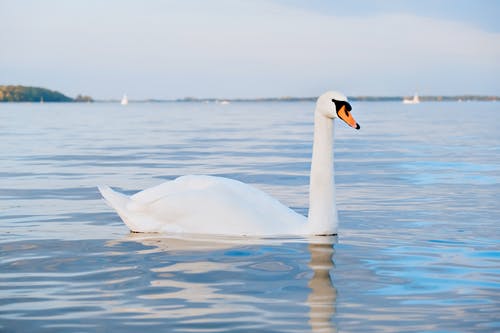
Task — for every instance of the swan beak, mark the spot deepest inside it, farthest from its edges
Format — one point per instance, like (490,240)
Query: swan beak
(347,117)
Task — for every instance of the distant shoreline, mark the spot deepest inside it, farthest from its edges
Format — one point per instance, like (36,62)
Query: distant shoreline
(460,98)
(25,94)
(423,99)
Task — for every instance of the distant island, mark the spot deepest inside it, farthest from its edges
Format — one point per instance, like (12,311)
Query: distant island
(36,94)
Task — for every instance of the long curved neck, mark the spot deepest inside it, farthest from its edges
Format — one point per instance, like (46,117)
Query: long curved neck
(322,211)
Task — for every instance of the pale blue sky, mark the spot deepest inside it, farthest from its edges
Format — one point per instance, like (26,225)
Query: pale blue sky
(236,48)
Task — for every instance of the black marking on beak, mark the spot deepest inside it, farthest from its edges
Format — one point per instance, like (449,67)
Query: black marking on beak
(339,104)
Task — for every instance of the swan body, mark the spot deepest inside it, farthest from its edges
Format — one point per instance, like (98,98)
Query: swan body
(205,205)
(215,205)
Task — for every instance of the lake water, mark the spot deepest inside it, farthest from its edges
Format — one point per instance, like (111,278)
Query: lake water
(418,192)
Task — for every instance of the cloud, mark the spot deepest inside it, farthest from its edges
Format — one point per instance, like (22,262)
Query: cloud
(241,48)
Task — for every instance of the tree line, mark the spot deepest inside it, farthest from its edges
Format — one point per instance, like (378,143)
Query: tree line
(36,94)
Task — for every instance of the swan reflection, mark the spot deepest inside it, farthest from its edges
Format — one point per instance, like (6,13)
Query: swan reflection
(229,279)
(323,295)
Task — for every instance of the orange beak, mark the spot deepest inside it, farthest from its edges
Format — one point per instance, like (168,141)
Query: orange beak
(347,117)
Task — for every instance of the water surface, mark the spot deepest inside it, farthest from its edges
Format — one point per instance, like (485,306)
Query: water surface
(418,247)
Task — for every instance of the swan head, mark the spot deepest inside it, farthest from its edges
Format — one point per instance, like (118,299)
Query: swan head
(333,104)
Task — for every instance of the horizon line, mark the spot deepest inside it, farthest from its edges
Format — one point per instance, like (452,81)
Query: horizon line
(358,98)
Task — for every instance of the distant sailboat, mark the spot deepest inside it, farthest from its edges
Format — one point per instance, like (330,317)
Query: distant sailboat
(414,100)
(124,100)
(41,100)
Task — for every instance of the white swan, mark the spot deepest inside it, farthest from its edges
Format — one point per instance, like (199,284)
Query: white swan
(216,205)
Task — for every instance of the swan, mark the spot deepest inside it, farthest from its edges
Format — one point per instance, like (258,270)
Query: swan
(199,204)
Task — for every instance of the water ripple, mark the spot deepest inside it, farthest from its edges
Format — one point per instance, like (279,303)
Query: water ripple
(418,206)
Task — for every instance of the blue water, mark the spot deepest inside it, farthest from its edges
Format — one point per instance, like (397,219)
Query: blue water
(418,196)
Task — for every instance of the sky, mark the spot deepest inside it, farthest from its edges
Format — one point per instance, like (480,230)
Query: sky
(168,49)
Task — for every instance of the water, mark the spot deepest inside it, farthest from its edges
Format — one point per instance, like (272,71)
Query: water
(418,246)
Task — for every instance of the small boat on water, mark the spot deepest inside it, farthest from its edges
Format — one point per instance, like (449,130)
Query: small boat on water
(414,100)
(124,100)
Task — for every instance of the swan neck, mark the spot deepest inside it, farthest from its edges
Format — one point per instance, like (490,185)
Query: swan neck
(322,217)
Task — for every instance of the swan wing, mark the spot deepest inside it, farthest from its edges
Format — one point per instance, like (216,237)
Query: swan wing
(179,185)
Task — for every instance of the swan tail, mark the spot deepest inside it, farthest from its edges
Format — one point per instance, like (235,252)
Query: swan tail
(114,199)
(128,210)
